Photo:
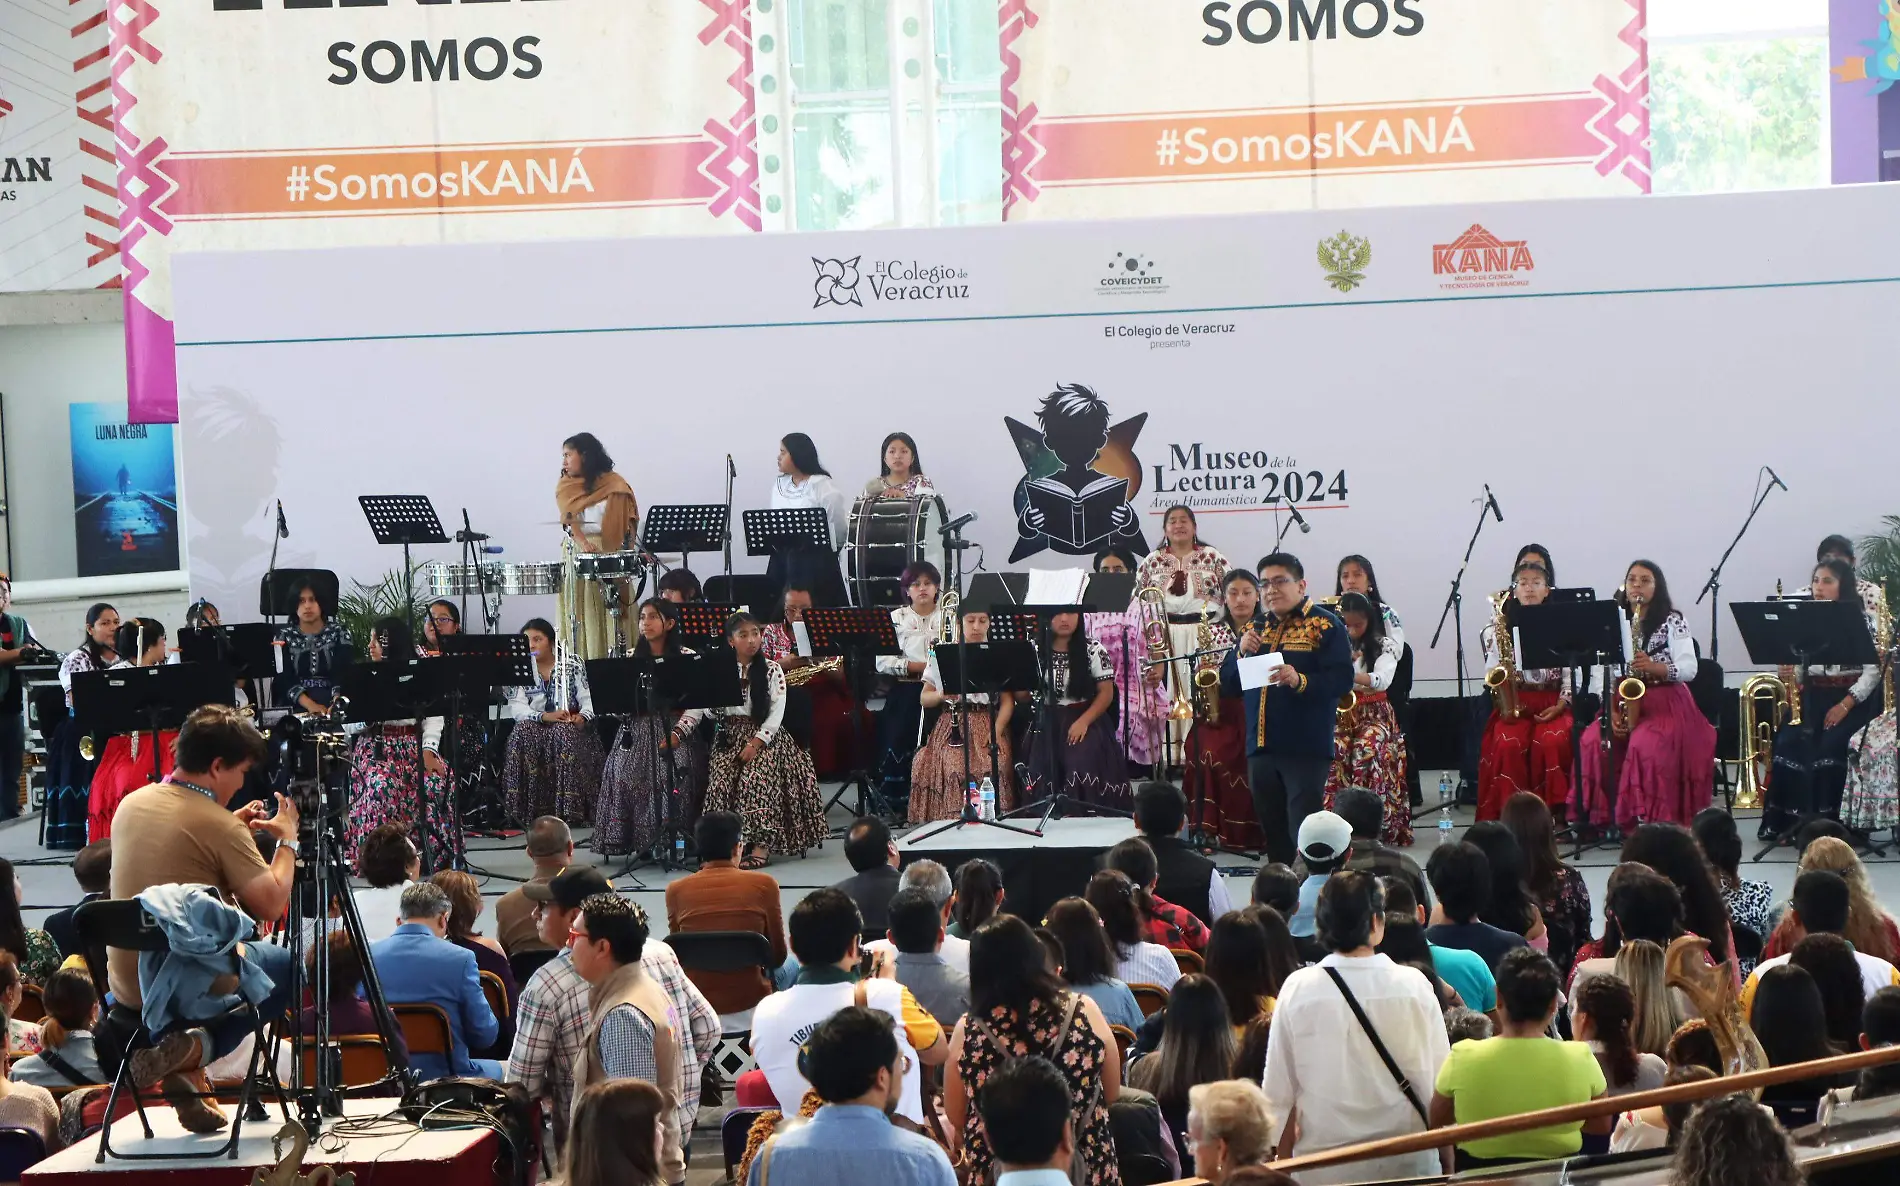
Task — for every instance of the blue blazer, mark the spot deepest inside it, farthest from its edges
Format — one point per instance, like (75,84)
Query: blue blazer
(419,969)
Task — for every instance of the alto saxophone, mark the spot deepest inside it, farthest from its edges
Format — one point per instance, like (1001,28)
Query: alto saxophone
(798,677)
(1626,707)
(1206,672)
(1503,679)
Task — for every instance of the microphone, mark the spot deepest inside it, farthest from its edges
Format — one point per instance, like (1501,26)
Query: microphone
(283,528)
(958,523)
(730,471)
(491,549)
(1491,500)
(1298,518)
(469,537)
(1772,477)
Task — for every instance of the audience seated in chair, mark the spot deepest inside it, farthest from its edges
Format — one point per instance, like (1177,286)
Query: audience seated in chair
(387,859)
(873,882)
(934,880)
(67,1057)
(419,966)
(550,847)
(618,1136)
(1228,1128)
(917,936)
(1027,1113)
(723,897)
(92,869)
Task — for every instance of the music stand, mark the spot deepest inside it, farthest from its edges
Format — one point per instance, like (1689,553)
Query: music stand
(749,591)
(789,529)
(684,528)
(247,648)
(648,685)
(404,689)
(135,699)
(704,621)
(1577,635)
(1802,634)
(404,519)
(855,634)
(494,662)
(996,668)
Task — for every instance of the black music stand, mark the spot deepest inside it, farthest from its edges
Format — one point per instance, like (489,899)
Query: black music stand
(405,689)
(684,528)
(789,529)
(704,622)
(856,635)
(1802,634)
(1577,635)
(247,648)
(404,519)
(136,699)
(749,591)
(648,685)
(492,662)
(996,668)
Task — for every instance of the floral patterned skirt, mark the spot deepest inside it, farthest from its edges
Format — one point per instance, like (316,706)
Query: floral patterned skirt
(937,786)
(1092,770)
(1371,754)
(776,793)
(1872,801)
(119,774)
(388,783)
(1525,755)
(1219,800)
(551,769)
(630,819)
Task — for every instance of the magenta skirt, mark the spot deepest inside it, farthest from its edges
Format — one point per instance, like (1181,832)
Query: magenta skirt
(1667,771)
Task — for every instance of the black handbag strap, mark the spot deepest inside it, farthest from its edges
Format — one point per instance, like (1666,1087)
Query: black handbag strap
(1385,1056)
(65,1069)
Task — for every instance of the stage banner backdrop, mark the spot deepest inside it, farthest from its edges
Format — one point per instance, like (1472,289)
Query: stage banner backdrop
(59,216)
(125,493)
(1135,107)
(292,123)
(1617,372)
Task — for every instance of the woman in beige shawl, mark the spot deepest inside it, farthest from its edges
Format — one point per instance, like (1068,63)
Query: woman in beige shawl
(598,514)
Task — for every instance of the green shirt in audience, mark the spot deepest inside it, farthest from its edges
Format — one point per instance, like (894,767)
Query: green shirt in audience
(1508,1076)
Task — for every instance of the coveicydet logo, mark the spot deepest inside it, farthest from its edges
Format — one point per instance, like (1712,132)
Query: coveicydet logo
(1479,259)
(1131,274)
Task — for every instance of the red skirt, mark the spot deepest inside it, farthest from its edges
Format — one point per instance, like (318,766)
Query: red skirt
(1525,755)
(1219,800)
(120,774)
(832,743)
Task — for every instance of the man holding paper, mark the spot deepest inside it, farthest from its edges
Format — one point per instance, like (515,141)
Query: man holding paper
(1292,668)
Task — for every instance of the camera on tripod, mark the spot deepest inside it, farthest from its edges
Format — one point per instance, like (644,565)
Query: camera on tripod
(310,752)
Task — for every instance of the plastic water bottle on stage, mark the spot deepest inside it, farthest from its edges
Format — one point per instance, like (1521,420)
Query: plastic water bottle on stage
(1444,808)
(988,804)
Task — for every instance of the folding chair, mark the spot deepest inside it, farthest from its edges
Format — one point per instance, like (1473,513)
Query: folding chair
(124,924)
(725,951)
(32,1005)
(425,1029)
(497,995)
(526,963)
(365,1060)
(20,1150)
(734,1130)
(1151,998)
(1190,962)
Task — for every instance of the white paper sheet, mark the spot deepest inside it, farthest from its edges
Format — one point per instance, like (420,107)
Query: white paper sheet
(1257,670)
(801,638)
(1056,586)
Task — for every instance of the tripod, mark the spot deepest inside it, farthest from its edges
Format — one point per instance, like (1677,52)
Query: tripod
(322,880)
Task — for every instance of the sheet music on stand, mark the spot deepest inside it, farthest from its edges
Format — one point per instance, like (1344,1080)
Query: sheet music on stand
(684,528)
(788,529)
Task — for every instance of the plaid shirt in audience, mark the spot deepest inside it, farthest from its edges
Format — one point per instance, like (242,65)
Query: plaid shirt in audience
(1175,926)
(551,1024)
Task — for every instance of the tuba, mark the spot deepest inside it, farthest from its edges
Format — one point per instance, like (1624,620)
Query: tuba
(1626,707)
(1503,678)
(1206,672)
(1767,704)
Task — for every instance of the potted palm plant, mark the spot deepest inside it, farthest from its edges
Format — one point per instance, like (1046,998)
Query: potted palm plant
(363,605)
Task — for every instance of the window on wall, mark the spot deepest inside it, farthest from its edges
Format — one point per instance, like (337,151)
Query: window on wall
(1738,94)
(895,113)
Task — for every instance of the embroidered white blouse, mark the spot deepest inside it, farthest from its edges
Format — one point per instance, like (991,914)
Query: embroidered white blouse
(1384,666)
(1099,667)
(915,633)
(528,702)
(818,490)
(770,727)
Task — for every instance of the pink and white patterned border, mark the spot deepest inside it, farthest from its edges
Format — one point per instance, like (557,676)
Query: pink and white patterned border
(1626,101)
(735,167)
(1020,149)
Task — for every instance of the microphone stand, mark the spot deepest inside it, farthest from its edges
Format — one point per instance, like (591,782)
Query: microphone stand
(266,689)
(731,473)
(1712,588)
(1454,609)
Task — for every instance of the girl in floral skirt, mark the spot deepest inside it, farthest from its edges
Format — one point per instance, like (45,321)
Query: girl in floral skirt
(638,779)
(397,772)
(552,766)
(758,769)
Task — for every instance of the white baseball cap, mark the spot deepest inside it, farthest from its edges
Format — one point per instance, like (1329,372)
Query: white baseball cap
(1324,836)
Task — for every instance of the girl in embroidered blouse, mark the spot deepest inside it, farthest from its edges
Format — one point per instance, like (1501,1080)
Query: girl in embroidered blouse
(803,481)
(1531,752)
(1665,769)
(917,625)
(126,765)
(1073,752)
(1220,801)
(900,472)
(937,784)
(1355,575)
(552,764)
(758,769)
(397,771)
(637,777)
(1141,705)
(1189,573)
(1368,749)
(68,773)
(317,652)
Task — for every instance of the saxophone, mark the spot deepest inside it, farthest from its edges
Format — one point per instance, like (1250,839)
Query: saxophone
(1206,672)
(798,677)
(1503,679)
(1626,707)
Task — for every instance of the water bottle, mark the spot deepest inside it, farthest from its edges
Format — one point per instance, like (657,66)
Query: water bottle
(679,849)
(989,798)
(1444,808)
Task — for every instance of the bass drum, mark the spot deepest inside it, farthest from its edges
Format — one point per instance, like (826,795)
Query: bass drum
(886,536)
